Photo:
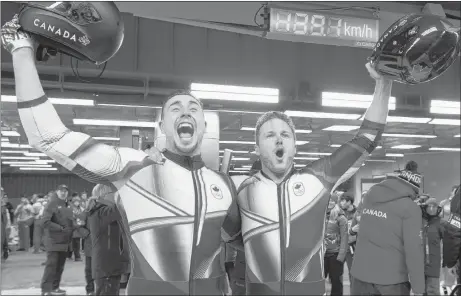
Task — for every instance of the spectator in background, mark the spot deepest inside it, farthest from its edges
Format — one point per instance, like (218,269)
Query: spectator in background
(88,249)
(33,200)
(79,218)
(432,237)
(336,242)
(110,253)
(346,203)
(24,216)
(5,224)
(58,223)
(38,224)
(452,236)
(389,251)
(9,207)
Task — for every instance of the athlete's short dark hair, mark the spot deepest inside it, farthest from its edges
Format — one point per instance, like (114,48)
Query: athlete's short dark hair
(269,116)
(179,93)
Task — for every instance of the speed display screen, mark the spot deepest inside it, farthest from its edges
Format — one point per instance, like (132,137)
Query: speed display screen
(323,28)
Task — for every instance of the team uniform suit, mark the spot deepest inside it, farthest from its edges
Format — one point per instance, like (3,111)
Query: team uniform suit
(282,226)
(172,212)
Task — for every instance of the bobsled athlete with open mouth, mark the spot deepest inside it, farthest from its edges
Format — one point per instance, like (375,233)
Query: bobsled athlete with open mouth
(172,205)
(279,213)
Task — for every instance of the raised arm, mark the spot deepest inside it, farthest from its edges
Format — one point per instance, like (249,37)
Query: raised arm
(77,152)
(346,160)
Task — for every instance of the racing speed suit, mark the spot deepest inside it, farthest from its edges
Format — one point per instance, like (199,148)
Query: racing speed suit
(282,225)
(172,213)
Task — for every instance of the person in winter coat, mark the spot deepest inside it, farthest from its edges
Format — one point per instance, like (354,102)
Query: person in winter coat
(58,223)
(86,238)
(336,242)
(432,237)
(389,252)
(452,236)
(346,203)
(25,217)
(79,217)
(110,250)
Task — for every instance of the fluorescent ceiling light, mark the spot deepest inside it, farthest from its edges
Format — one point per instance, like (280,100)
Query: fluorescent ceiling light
(306,158)
(106,138)
(102,122)
(10,134)
(31,165)
(240,158)
(335,145)
(445,107)
(394,155)
(37,169)
(380,160)
(334,99)
(236,151)
(56,101)
(379,147)
(237,142)
(298,131)
(300,143)
(405,147)
(14,151)
(28,162)
(408,119)
(342,128)
(253,143)
(246,166)
(34,154)
(409,136)
(235,93)
(203,95)
(457,136)
(314,153)
(293,113)
(235,111)
(129,106)
(443,149)
(20,157)
(14,145)
(5,140)
(241,169)
(237,172)
(443,121)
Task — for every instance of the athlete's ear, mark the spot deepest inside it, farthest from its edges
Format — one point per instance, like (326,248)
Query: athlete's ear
(257,150)
(160,124)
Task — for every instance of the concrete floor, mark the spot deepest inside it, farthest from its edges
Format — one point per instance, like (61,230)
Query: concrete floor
(22,272)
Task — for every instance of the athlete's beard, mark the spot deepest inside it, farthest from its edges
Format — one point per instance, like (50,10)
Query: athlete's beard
(277,173)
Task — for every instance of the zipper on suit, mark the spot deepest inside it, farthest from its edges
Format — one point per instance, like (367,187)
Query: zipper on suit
(426,242)
(282,213)
(198,206)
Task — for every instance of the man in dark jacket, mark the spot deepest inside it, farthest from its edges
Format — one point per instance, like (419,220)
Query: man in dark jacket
(110,254)
(58,225)
(452,236)
(432,237)
(389,252)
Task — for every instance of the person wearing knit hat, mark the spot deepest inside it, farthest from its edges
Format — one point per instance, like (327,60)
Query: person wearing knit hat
(432,237)
(389,254)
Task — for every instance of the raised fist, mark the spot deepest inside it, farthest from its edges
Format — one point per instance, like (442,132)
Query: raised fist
(14,38)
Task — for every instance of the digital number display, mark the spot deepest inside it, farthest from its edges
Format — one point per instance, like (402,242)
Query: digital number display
(322,28)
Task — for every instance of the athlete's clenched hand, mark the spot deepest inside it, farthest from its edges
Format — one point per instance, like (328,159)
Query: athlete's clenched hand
(14,38)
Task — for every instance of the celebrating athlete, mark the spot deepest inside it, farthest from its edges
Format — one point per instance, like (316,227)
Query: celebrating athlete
(174,208)
(280,211)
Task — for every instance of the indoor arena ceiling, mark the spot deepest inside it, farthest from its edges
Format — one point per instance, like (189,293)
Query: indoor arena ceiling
(129,95)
